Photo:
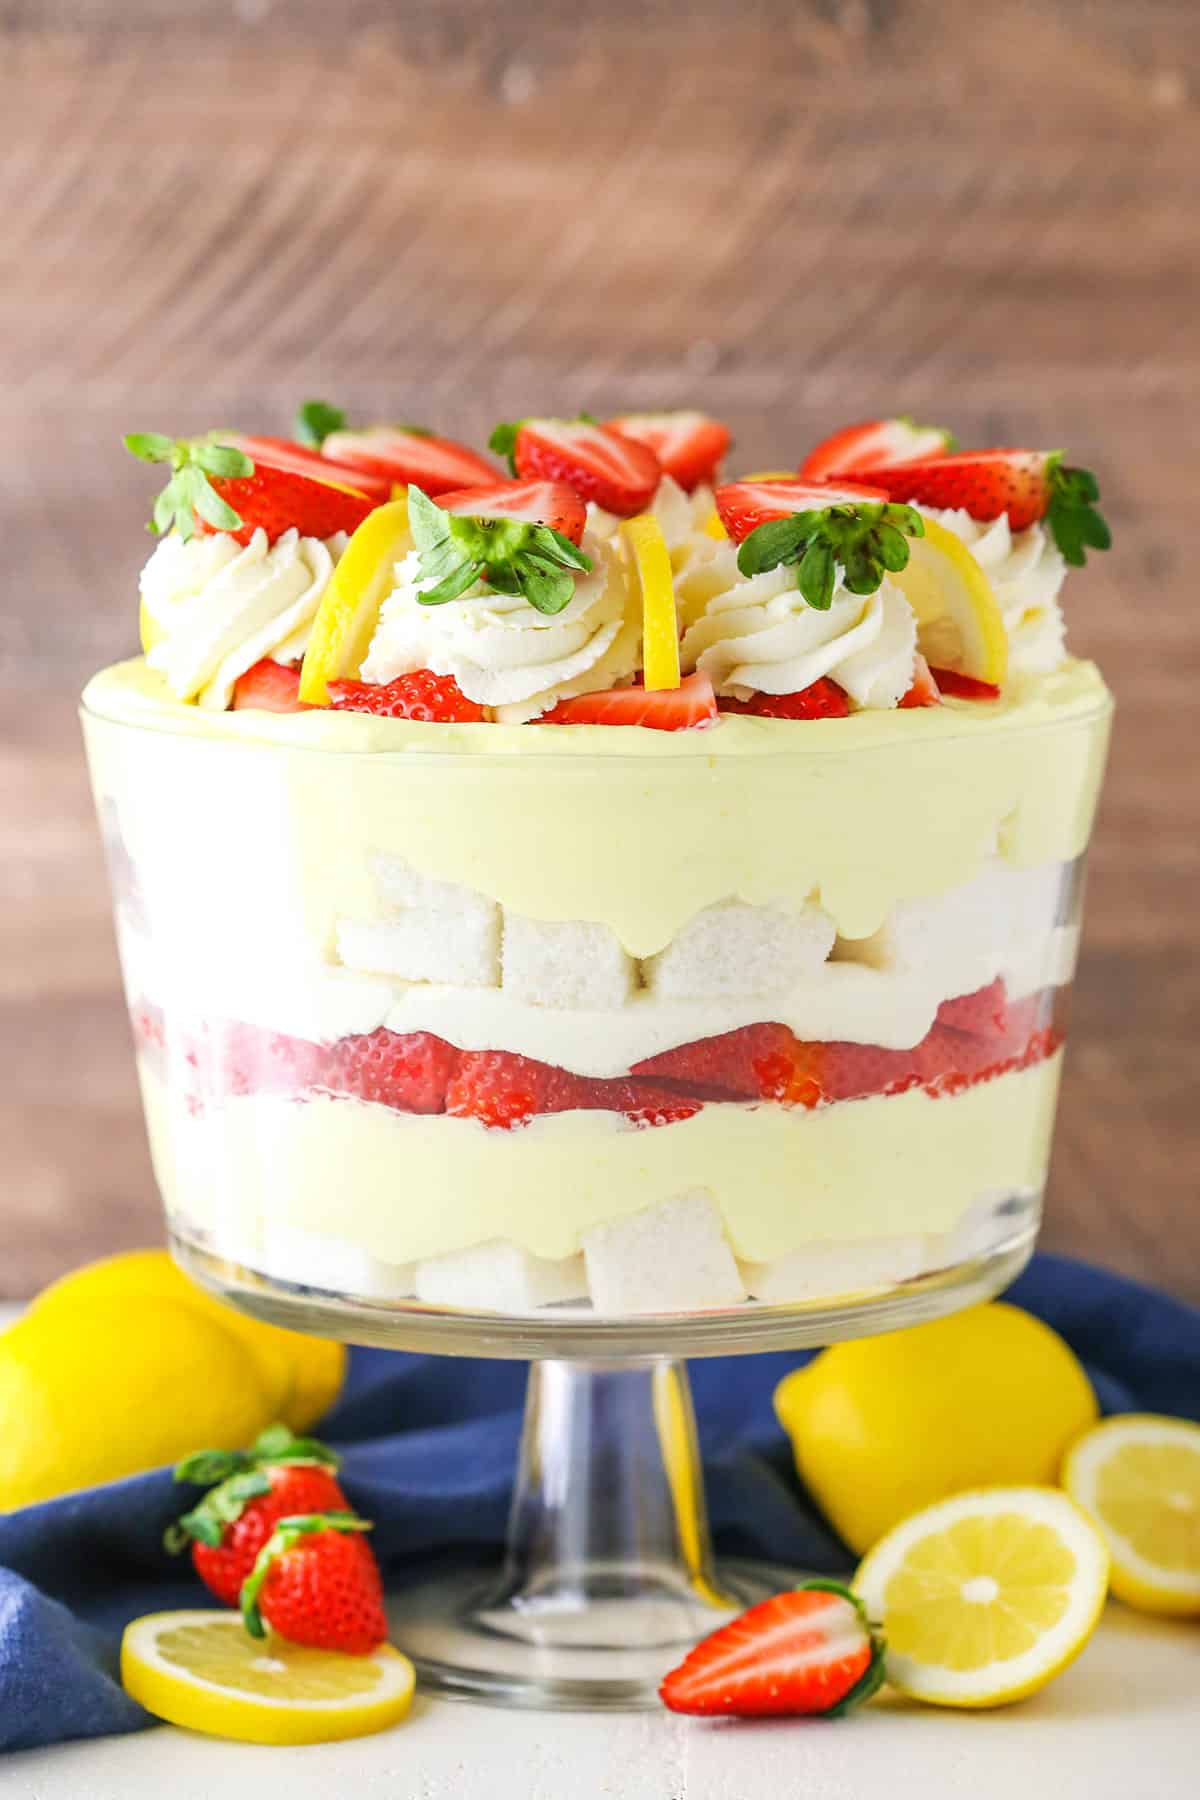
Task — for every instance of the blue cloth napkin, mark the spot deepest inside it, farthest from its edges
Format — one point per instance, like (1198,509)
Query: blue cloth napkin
(430,1445)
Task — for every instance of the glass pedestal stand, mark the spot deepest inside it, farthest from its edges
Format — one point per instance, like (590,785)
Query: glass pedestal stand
(609,1576)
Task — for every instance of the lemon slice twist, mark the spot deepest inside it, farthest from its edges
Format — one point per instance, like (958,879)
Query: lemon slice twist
(349,611)
(660,624)
(959,624)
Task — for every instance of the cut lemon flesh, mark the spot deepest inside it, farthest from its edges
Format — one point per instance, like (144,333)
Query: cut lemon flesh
(660,624)
(959,624)
(149,630)
(349,611)
(204,1671)
(986,1596)
(1138,1475)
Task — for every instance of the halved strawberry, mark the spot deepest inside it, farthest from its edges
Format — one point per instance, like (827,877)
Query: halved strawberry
(963,687)
(218,486)
(824,699)
(691,704)
(618,473)
(269,687)
(274,500)
(688,445)
(1028,485)
(400,455)
(808,1651)
(924,690)
(282,453)
(745,505)
(409,1071)
(502,1089)
(876,441)
(756,1062)
(436,699)
(552,503)
(858,1071)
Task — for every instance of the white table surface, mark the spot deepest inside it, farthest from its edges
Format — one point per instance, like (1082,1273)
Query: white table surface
(1122,1724)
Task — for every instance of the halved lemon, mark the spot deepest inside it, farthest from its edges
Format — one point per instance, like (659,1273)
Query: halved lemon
(959,624)
(1138,1475)
(660,624)
(986,1596)
(204,1671)
(349,610)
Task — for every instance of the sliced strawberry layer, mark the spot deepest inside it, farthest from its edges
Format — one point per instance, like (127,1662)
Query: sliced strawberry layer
(924,690)
(434,699)
(759,1062)
(500,1088)
(963,687)
(269,687)
(691,705)
(409,1071)
(824,699)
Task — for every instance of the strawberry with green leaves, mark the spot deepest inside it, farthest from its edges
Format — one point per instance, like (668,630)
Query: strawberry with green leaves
(502,542)
(396,455)
(250,1491)
(817,530)
(810,1651)
(618,472)
(1028,485)
(219,487)
(316,1582)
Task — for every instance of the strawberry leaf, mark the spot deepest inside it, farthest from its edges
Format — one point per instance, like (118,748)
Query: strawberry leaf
(1076,524)
(511,556)
(189,490)
(504,440)
(865,539)
(314,421)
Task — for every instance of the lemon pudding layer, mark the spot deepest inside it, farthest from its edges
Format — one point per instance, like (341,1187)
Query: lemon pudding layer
(445,987)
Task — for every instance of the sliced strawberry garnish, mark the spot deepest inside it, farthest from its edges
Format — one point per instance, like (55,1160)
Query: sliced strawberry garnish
(282,453)
(876,441)
(404,455)
(745,505)
(436,699)
(924,690)
(824,699)
(409,1071)
(691,704)
(276,500)
(269,687)
(618,473)
(688,445)
(552,503)
(963,687)
(756,1062)
(809,1651)
(500,1088)
(1028,485)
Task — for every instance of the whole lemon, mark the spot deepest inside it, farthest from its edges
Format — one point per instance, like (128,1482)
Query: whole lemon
(107,1387)
(303,1374)
(887,1425)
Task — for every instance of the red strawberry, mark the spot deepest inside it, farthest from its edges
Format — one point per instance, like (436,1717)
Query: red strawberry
(279,1475)
(757,1062)
(552,503)
(924,690)
(688,445)
(282,453)
(316,1582)
(437,699)
(503,1089)
(405,1070)
(857,1071)
(691,704)
(274,500)
(234,1058)
(963,687)
(745,505)
(399,455)
(269,687)
(823,700)
(618,473)
(984,1012)
(1026,484)
(808,1651)
(873,443)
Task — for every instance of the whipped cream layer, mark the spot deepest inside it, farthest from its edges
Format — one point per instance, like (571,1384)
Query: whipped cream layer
(402,1188)
(215,607)
(1026,571)
(501,651)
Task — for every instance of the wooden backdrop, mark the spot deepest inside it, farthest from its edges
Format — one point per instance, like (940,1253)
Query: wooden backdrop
(792,214)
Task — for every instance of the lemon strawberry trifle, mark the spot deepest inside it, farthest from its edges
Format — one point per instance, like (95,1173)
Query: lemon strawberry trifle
(593,881)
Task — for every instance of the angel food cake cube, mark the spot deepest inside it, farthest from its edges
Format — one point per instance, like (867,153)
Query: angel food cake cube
(435,931)
(565,963)
(499,1277)
(734,949)
(666,1258)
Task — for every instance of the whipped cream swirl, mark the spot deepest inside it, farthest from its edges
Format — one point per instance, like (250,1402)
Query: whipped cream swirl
(501,651)
(216,607)
(760,635)
(1026,570)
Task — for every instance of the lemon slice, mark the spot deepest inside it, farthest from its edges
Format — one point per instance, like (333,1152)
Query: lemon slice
(959,625)
(986,1596)
(203,1670)
(1139,1477)
(660,624)
(349,610)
